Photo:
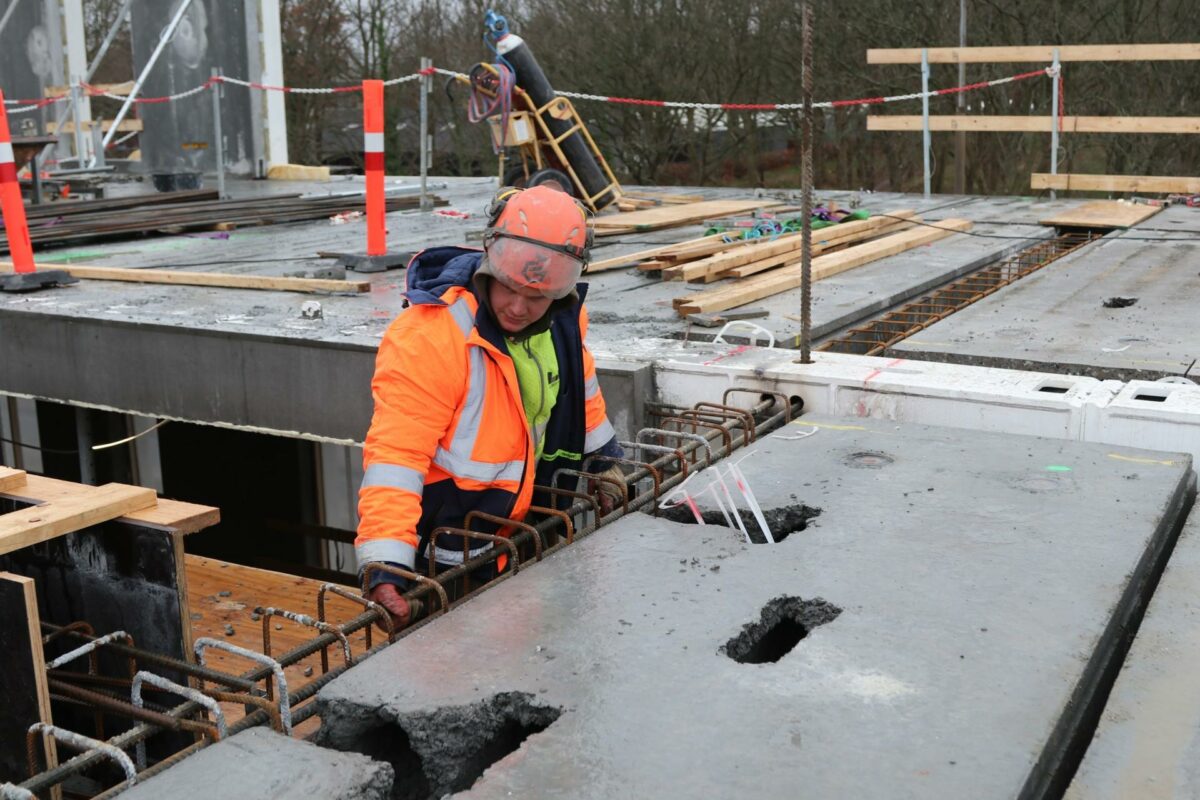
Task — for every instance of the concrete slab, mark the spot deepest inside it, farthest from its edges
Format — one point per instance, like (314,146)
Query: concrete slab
(961,597)
(224,356)
(1148,742)
(259,764)
(1057,320)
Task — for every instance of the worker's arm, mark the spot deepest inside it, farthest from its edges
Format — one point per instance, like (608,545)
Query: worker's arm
(417,385)
(601,437)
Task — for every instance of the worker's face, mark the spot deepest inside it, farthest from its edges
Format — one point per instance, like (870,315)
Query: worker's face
(516,309)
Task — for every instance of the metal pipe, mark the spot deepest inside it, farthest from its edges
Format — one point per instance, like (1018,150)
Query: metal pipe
(167,34)
(925,137)
(426,143)
(1056,73)
(218,88)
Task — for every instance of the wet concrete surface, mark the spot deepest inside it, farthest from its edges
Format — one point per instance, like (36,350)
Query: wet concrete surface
(942,628)
(1122,308)
(259,764)
(1148,743)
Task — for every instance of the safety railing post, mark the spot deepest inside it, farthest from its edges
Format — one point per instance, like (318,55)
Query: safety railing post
(426,143)
(925,139)
(218,131)
(1055,77)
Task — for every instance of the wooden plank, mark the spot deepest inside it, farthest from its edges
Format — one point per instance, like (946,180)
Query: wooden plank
(111,88)
(671,216)
(58,517)
(1102,214)
(758,249)
(126,126)
(753,269)
(630,259)
(23,678)
(1153,184)
(1034,124)
(11,479)
(756,288)
(1036,54)
(173,515)
(213,279)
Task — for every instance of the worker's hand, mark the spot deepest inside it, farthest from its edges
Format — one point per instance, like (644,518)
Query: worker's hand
(388,596)
(608,494)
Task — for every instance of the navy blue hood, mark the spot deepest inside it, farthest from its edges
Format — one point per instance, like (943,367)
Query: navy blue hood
(433,271)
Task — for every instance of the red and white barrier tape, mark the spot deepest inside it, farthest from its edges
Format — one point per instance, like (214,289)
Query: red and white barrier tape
(33,105)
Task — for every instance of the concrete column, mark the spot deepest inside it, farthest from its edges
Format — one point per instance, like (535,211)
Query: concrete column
(147,462)
(340,474)
(84,441)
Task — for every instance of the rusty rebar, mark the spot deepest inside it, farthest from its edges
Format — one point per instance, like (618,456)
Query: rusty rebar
(385,618)
(307,621)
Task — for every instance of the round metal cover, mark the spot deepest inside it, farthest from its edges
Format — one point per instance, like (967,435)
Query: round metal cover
(868,460)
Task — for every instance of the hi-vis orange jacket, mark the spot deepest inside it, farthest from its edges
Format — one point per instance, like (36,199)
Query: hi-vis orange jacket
(449,434)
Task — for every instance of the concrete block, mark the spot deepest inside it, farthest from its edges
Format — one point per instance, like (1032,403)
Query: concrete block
(942,628)
(259,764)
(1148,741)
(1151,414)
(626,388)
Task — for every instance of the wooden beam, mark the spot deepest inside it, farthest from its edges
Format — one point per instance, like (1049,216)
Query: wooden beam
(126,126)
(111,88)
(895,226)
(672,216)
(751,289)
(1152,184)
(11,479)
(630,259)
(173,515)
(755,250)
(1037,54)
(1035,124)
(216,279)
(57,517)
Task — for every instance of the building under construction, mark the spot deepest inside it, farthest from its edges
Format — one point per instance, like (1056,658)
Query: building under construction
(909,477)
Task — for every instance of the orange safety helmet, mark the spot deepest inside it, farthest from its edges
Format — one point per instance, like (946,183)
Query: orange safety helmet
(537,238)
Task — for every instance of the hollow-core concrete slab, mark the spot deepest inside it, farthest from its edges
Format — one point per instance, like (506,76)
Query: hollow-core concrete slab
(1148,742)
(961,597)
(1122,308)
(259,764)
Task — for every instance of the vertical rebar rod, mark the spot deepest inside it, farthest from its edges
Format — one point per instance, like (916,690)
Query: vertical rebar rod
(806,187)
(925,138)
(218,131)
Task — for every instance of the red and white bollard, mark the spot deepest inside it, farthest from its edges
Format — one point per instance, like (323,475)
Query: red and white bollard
(25,276)
(377,258)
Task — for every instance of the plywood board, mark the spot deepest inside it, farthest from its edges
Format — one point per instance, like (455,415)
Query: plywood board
(23,676)
(173,515)
(1103,214)
(224,594)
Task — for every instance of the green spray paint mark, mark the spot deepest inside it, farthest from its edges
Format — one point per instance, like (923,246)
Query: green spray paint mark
(1057,468)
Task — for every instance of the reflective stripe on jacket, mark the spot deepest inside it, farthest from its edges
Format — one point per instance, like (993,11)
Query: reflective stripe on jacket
(449,434)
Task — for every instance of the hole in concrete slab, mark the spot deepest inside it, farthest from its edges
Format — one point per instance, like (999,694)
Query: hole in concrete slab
(1153,398)
(783,522)
(1119,302)
(446,751)
(784,622)
(868,460)
(1052,389)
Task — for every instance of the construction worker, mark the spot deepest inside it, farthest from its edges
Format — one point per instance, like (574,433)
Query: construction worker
(483,387)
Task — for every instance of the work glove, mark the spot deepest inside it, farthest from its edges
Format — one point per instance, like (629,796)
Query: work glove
(608,494)
(388,596)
